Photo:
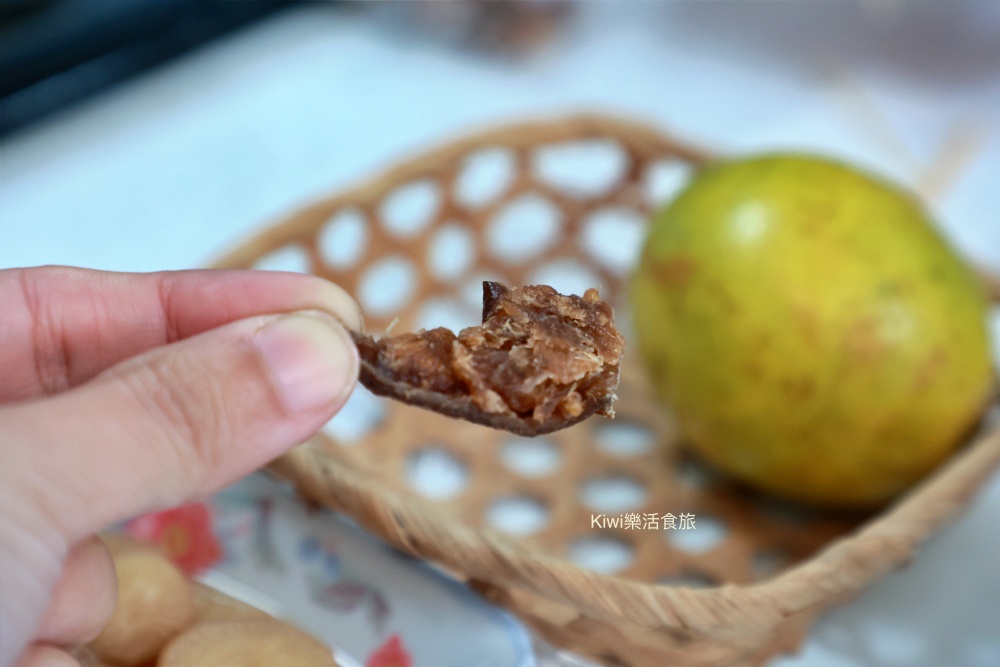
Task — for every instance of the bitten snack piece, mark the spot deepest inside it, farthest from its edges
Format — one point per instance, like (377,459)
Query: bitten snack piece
(540,361)
(259,643)
(154,604)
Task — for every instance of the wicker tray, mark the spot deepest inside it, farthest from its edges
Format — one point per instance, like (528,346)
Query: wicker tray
(772,569)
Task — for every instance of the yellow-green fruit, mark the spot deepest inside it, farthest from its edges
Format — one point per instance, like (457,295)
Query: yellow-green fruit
(814,334)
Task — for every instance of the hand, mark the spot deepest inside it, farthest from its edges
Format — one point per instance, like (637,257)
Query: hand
(127,393)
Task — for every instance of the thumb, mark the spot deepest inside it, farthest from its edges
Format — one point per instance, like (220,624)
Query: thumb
(177,422)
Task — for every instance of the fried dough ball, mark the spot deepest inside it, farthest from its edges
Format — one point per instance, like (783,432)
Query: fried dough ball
(255,643)
(213,607)
(155,602)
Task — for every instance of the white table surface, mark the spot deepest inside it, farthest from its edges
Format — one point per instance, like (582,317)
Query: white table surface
(169,170)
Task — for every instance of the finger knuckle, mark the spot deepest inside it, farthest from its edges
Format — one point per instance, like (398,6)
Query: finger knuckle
(186,407)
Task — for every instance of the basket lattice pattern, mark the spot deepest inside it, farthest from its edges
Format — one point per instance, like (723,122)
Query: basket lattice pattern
(743,584)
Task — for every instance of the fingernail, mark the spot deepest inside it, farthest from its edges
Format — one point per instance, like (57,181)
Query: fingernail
(41,655)
(334,300)
(312,361)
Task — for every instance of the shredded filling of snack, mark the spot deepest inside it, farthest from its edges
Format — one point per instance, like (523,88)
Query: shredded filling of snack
(539,356)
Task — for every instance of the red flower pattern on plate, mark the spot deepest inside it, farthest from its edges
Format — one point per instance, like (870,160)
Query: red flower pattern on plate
(390,654)
(185,533)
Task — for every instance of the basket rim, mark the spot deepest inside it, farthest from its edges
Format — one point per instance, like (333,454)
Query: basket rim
(414,525)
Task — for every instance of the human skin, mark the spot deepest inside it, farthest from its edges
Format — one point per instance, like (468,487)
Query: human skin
(122,394)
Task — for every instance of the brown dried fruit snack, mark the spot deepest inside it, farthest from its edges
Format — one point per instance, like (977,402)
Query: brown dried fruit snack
(540,361)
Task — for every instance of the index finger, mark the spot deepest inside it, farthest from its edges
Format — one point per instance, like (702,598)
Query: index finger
(61,326)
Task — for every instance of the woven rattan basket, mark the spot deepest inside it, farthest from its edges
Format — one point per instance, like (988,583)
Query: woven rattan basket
(746,597)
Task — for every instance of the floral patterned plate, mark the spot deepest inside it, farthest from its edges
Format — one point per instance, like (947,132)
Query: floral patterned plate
(319,571)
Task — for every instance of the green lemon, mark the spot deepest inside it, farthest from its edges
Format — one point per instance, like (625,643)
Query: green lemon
(814,334)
